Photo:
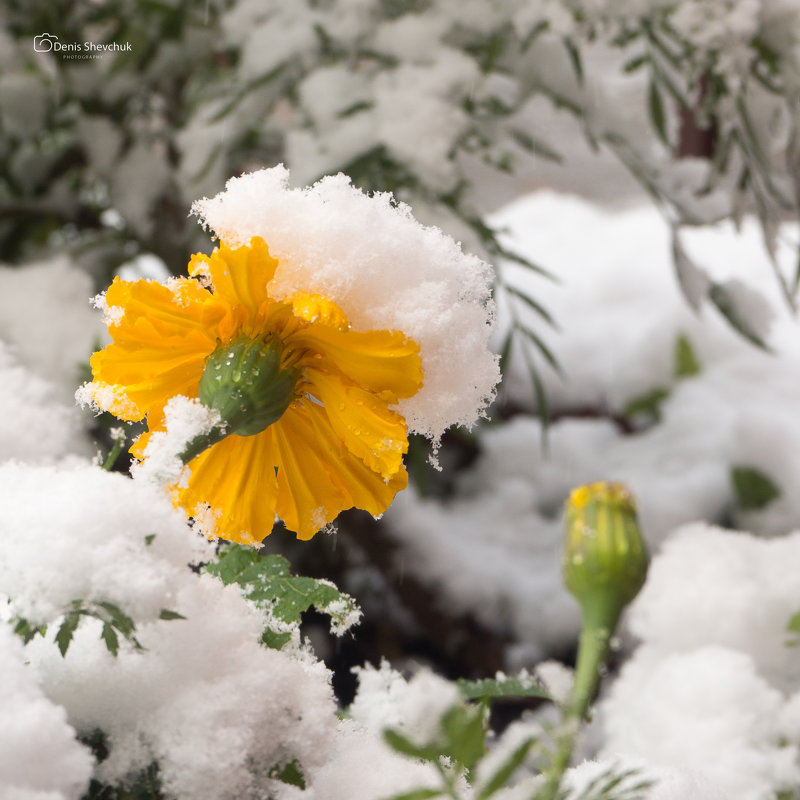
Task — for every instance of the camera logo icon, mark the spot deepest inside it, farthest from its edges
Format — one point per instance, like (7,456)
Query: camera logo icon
(44,42)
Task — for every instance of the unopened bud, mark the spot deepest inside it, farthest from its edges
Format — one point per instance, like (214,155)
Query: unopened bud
(605,560)
(243,381)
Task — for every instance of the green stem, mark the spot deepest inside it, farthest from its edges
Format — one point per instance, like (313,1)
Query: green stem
(599,622)
(203,442)
(113,453)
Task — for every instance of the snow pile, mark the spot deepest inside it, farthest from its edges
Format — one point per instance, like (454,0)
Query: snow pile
(386,271)
(204,698)
(705,690)
(39,756)
(494,548)
(46,319)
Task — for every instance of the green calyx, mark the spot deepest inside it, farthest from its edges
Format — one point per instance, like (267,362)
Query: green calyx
(605,560)
(244,381)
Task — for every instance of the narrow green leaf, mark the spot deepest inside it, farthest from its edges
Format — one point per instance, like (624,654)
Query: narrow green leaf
(754,489)
(540,346)
(505,352)
(686,363)
(574,58)
(109,636)
(168,615)
(417,794)
(535,146)
(402,744)
(531,303)
(657,114)
(490,688)
(503,773)
(727,305)
(67,630)
(636,63)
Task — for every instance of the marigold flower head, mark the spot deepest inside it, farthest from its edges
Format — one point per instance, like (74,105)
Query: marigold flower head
(310,401)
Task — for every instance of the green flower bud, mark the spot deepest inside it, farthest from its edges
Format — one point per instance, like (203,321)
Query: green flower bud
(243,381)
(605,561)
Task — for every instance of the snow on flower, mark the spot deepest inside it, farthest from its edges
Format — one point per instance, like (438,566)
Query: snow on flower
(320,350)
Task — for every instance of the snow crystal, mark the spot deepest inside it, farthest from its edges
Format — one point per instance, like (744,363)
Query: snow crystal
(40,758)
(384,269)
(184,420)
(386,700)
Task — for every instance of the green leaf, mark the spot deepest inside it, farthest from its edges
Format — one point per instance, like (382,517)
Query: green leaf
(289,773)
(109,636)
(657,114)
(118,618)
(793,626)
(636,63)
(726,303)
(67,629)
(464,729)
(148,540)
(168,615)
(268,582)
(754,490)
(27,630)
(503,773)
(648,404)
(574,58)
(686,363)
(402,744)
(417,794)
(491,688)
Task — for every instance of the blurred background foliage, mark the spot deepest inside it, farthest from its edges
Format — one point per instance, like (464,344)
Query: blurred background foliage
(438,101)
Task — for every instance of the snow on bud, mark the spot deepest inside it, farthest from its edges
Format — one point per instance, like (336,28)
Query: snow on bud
(605,561)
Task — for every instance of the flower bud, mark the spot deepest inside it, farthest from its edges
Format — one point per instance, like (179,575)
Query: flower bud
(244,381)
(605,561)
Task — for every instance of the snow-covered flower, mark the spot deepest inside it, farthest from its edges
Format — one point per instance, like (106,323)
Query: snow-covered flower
(308,380)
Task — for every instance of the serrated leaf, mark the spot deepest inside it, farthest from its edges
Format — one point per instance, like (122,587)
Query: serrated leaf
(169,615)
(111,639)
(290,773)
(754,489)
(275,639)
(119,619)
(503,773)
(490,688)
(268,582)
(464,729)
(686,363)
(67,630)
(657,115)
(26,630)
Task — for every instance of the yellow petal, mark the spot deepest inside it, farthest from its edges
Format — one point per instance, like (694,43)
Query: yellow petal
(240,276)
(318,477)
(379,361)
(318,309)
(363,421)
(236,478)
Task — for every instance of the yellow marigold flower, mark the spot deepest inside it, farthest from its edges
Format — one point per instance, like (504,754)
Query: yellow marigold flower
(323,437)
